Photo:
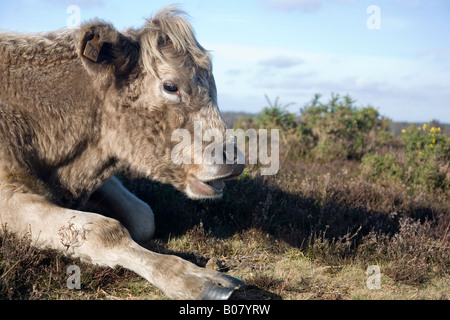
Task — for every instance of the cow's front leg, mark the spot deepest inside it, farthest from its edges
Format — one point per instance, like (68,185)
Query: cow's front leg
(106,242)
(113,200)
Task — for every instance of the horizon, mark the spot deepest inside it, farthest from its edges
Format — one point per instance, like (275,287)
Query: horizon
(394,56)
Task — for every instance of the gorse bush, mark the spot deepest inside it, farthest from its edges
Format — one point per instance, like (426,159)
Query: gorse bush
(336,130)
(273,116)
(276,116)
(424,161)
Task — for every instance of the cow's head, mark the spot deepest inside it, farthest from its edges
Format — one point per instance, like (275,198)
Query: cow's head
(157,81)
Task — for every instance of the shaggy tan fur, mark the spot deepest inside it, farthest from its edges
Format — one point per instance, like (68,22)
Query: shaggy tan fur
(68,124)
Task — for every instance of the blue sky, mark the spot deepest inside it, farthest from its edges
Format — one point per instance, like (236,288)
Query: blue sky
(293,49)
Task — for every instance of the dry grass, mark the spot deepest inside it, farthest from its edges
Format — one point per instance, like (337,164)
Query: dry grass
(308,233)
(271,270)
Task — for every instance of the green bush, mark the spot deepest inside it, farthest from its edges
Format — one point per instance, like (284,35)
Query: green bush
(424,160)
(427,156)
(276,116)
(375,166)
(338,130)
(273,116)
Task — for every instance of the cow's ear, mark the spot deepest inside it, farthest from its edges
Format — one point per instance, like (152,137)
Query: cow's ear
(104,50)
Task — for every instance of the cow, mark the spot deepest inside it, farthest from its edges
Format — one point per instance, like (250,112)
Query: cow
(78,106)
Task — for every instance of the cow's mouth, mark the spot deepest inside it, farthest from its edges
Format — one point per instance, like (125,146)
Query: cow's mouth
(216,185)
(201,188)
(205,189)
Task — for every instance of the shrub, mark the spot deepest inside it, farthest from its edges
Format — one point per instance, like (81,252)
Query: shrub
(414,253)
(424,160)
(427,153)
(338,130)
(387,167)
(276,116)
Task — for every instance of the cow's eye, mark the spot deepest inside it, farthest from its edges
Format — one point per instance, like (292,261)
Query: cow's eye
(170,87)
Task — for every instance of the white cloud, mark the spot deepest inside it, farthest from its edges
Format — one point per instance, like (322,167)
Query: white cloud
(439,54)
(281,62)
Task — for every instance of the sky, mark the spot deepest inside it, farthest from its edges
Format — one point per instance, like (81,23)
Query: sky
(393,55)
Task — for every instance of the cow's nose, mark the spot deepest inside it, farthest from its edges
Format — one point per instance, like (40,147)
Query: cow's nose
(232,154)
(236,158)
(238,169)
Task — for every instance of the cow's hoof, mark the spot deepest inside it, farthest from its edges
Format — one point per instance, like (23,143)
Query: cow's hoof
(219,292)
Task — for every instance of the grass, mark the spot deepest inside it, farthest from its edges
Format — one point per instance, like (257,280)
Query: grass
(308,233)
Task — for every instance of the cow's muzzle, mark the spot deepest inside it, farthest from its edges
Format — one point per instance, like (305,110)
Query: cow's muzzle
(209,183)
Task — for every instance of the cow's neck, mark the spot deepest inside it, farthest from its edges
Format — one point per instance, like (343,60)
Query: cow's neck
(52,102)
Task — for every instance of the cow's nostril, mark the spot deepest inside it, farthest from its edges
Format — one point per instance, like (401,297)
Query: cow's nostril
(230,157)
(227,154)
(231,154)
